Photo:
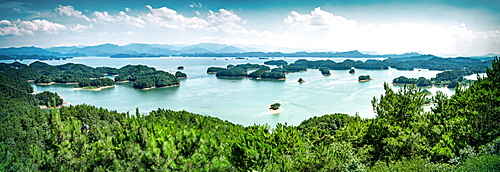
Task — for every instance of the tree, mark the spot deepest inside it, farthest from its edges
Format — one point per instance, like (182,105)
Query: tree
(47,98)
(364,78)
(324,71)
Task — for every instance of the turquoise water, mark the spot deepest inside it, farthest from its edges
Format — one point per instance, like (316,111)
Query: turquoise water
(242,101)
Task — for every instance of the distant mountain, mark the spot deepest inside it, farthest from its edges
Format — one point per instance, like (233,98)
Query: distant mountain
(211,47)
(63,50)
(163,51)
(229,49)
(353,54)
(27,51)
(195,50)
(100,50)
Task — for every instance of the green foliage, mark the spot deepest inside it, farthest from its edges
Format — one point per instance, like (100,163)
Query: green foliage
(180,74)
(364,77)
(275,106)
(214,69)
(417,164)
(481,163)
(460,133)
(48,98)
(294,68)
(280,70)
(324,71)
(276,62)
(232,72)
(96,82)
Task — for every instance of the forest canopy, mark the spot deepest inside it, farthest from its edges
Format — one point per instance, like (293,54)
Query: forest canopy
(459,133)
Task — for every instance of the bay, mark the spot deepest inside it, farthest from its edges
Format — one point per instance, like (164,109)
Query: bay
(242,101)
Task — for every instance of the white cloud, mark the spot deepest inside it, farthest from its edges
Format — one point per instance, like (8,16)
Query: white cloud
(168,18)
(322,29)
(127,9)
(19,27)
(70,11)
(129,33)
(105,17)
(196,5)
(319,19)
(225,20)
(81,28)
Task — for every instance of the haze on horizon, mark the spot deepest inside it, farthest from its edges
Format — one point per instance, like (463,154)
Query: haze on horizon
(440,27)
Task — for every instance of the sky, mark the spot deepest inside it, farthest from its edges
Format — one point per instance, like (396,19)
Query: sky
(440,27)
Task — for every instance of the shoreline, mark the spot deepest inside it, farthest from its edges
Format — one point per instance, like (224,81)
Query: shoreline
(365,80)
(274,112)
(45,83)
(175,85)
(94,89)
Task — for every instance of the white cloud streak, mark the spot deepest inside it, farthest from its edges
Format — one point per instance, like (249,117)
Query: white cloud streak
(70,11)
(81,28)
(323,29)
(19,27)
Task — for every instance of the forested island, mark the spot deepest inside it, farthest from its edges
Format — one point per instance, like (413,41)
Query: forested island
(459,133)
(87,77)
(240,71)
(145,77)
(364,78)
(449,79)
(325,71)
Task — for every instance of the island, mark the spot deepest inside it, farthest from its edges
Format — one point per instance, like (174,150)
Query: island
(352,71)
(449,79)
(240,71)
(275,108)
(180,75)
(364,78)
(145,77)
(214,69)
(301,80)
(325,71)
(96,84)
(180,68)
(232,72)
(276,62)
(265,74)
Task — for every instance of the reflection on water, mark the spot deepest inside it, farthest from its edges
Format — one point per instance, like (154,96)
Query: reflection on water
(243,101)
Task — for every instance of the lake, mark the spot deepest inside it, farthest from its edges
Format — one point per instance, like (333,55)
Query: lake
(242,101)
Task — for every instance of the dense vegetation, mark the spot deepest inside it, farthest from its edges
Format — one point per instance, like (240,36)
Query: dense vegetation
(180,74)
(460,133)
(146,77)
(325,71)
(96,83)
(364,78)
(450,79)
(276,62)
(88,77)
(232,72)
(240,70)
(214,69)
(48,98)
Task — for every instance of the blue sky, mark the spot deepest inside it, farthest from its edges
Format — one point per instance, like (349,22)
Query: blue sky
(430,26)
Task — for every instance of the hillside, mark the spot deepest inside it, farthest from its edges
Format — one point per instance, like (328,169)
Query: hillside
(460,133)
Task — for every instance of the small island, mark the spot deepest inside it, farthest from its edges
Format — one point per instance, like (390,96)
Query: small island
(96,84)
(275,108)
(325,71)
(352,71)
(180,68)
(301,80)
(181,75)
(364,78)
